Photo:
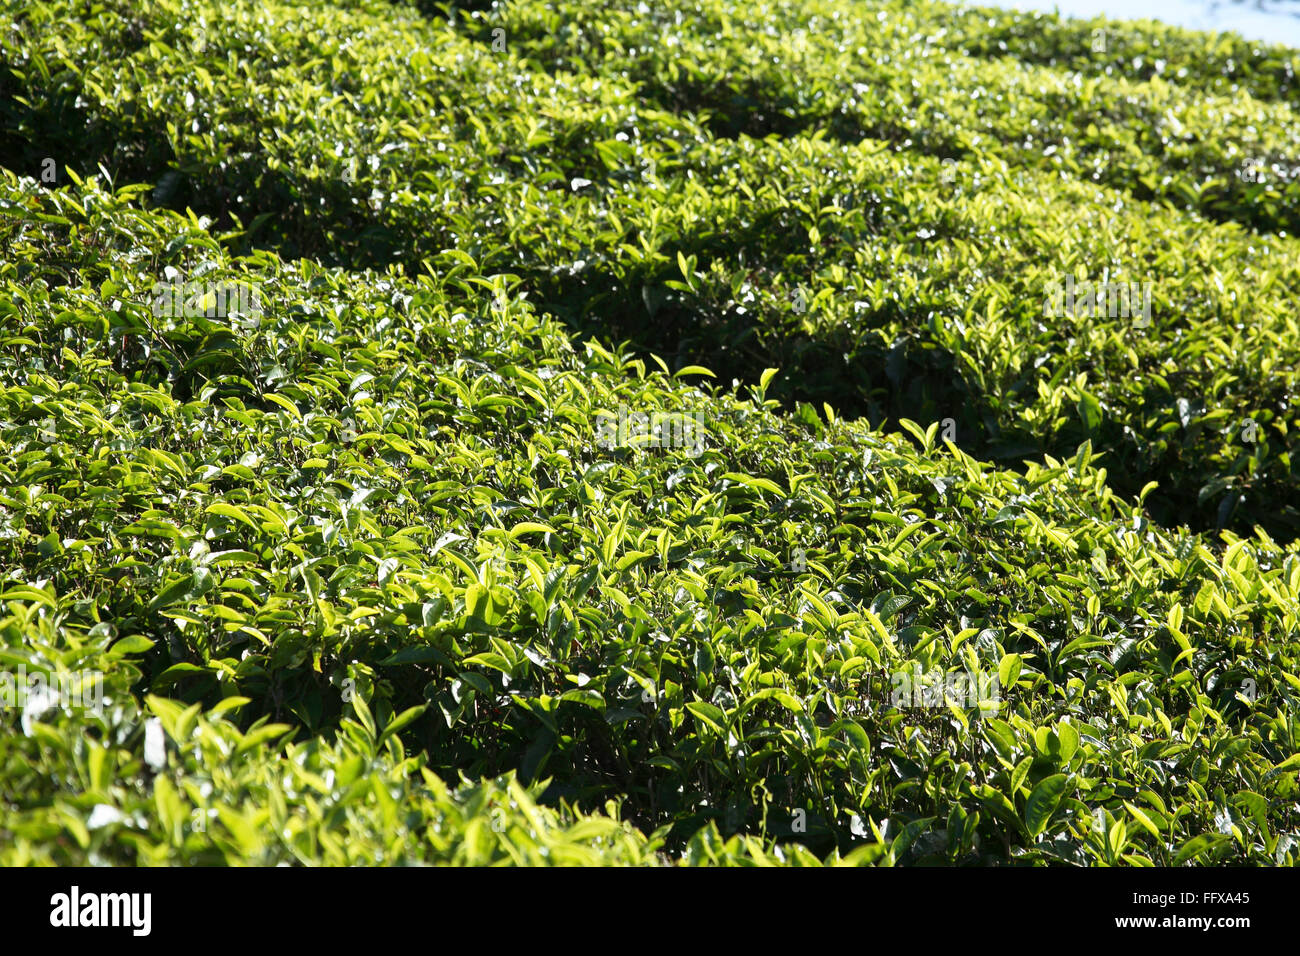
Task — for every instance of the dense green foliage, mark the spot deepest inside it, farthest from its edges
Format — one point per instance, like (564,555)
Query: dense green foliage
(364,576)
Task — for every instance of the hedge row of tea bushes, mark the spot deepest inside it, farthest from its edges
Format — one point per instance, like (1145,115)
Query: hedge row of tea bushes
(926,305)
(368,541)
(805,65)
(367,584)
(1224,64)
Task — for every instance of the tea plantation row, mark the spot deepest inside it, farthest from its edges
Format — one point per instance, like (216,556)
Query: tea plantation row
(367,577)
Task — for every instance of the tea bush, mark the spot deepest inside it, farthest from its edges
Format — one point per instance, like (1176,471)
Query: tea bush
(383,562)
